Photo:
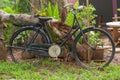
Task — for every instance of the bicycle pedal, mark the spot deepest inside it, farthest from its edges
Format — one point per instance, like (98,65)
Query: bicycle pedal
(55,59)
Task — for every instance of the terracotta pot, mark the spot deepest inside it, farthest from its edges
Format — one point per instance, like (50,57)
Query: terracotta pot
(98,54)
(84,52)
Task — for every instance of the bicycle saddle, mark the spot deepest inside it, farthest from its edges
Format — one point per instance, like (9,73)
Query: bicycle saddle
(44,18)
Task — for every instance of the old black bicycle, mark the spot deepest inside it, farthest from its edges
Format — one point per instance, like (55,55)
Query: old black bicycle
(25,40)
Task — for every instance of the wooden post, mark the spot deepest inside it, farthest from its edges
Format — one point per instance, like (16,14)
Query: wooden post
(88,20)
(115,33)
(114,3)
(88,24)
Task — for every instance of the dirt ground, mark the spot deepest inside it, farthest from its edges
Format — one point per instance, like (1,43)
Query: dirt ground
(116,60)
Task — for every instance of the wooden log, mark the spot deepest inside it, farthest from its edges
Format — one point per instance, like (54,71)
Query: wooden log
(19,19)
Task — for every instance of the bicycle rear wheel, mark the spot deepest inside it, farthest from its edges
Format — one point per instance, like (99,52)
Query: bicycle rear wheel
(22,41)
(100,51)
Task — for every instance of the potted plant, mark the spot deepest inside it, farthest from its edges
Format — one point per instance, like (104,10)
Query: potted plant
(99,44)
(99,52)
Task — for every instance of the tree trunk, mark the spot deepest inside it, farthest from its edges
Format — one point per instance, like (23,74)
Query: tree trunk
(19,19)
(35,6)
(2,48)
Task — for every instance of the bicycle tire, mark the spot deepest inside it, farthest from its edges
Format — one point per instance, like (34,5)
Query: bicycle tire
(24,32)
(105,36)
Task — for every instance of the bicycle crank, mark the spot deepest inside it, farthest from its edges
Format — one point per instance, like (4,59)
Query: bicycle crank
(54,51)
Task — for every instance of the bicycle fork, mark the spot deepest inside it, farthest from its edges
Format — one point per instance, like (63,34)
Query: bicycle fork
(84,37)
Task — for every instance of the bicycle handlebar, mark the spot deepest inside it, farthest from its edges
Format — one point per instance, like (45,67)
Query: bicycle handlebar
(71,6)
(80,8)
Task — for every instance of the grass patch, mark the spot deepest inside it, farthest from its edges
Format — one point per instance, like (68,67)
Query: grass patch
(50,70)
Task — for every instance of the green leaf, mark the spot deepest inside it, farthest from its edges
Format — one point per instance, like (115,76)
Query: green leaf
(49,10)
(118,9)
(56,12)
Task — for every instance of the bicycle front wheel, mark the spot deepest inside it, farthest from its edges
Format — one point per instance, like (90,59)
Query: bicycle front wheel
(22,43)
(95,50)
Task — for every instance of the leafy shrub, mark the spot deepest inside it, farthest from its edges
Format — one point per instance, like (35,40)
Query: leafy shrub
(7,6)
(9,10)
(53,11)
(7,33)
(82,16)
(22,6)
(6,3)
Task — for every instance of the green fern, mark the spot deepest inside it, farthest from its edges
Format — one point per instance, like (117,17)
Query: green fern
(69,19)
(56,12)
(49,10)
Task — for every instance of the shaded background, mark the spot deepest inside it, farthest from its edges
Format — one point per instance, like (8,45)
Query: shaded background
(104,8)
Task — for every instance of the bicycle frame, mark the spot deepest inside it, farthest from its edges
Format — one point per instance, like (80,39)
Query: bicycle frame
(69,34)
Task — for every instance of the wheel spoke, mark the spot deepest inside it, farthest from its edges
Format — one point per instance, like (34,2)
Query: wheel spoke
(16,47)
(21,44)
